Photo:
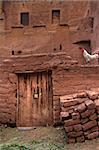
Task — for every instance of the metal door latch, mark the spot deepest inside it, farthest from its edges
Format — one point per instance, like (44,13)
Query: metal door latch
(35,95)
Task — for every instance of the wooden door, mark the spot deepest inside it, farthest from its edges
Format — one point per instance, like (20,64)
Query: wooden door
(35,99)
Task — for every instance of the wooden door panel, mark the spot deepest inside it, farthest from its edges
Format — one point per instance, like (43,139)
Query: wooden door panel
(39,75)
(35,99)
(44,97)
(28,102)
(50,98)
(21,88)
(24,101)
(22,116)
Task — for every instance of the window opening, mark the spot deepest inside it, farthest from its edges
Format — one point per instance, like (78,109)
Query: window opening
(55,16)
(24,18)
(12,52)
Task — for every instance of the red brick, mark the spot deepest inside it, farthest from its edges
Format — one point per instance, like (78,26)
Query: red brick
(93,117)
(75,116)
(87,113)
(92,95)
(81,108)
(90,104)
(66,109)
(77,127)
(80,139)
(74,96)
(79,95)
(75,134)
(81,100)
(82,95)
(69,128)
(66,97)
(89,125)
(71,140)
(83,121)
(68,103)
(94,129)
(71,111)
(86,133)
(93,135)
(71,122)
(64,115)
(97,103)
(69,108)
(97,111)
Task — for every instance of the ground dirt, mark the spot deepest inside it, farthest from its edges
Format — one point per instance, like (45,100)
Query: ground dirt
(41,138)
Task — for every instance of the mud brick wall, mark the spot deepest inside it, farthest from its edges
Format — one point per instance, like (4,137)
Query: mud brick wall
(72,80)
(8,101)
(41,11)
(67,78)
(95,37)
(34,39)
(80,115)
(46,40)
(56,110)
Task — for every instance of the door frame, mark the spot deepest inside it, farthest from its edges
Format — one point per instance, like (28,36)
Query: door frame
(17,113)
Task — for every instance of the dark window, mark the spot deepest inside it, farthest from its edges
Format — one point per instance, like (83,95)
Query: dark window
(12,52)
(19,52)
(60,47)
(55,16)
(25,18)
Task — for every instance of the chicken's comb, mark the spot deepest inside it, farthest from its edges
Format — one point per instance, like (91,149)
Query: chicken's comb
(81,48)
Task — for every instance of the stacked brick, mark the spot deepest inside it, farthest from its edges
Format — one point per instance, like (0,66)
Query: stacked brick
(80,115)
(97,109)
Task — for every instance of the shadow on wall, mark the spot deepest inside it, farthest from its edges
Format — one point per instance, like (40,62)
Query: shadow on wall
(85,44)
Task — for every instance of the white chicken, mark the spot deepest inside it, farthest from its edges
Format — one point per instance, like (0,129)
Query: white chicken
(88,57)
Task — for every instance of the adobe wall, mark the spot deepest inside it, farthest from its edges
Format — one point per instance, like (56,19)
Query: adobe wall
(74,79)
(41,11)
(74,26)
(96,27)
(8,101)
(67,77)
(70,81)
